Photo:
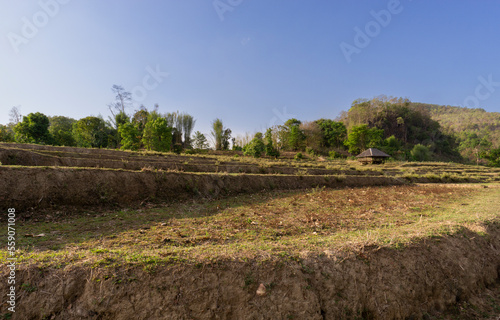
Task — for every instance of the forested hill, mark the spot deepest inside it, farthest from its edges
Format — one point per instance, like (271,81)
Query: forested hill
(463,122)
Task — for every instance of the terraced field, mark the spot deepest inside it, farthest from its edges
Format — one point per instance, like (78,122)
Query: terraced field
(106,234)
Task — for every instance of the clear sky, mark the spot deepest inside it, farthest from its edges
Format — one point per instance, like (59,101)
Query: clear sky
(253,63)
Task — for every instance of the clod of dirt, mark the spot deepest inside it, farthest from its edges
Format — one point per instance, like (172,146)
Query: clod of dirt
(261,291)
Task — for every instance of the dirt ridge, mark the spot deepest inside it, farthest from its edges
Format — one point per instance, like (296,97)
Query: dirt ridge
(42,187)
(370,284)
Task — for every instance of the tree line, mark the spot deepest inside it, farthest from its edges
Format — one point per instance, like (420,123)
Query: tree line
(402,129)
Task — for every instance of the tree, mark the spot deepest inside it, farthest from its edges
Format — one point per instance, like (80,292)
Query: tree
(91,132)
(493,157)
(391,146)
(157,135)
(187,125)
(220,135)
(123,100)
(6,134)
(420,153)
(295,135)
(217,131)
(140,118)
(473,146)
(256,147)
(226,137)
(61,130)
(15,115)
(333,133)
(174,120)
(130,137)
(312,136)
(33,129)
(271,151)
(362,137)
(200,141)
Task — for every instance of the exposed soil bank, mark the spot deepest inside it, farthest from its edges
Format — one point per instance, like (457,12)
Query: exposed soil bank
(375,284)
(32,187)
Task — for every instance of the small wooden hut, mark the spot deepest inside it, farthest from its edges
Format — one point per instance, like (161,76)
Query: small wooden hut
(372,155)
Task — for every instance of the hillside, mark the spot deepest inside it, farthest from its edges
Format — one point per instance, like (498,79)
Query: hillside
(451,133)
(462,121)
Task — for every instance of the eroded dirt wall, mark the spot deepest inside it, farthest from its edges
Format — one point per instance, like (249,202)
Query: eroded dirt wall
(34,187)
(374,284)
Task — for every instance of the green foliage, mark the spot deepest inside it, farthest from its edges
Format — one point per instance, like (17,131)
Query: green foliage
(187,127)
(177,148)
(33,129)
(6,134)
(410,123)
(157,135)
(391,146)
(295,135)
(298,156)
(271,151)
(226,137)
(121,118)
(217,131)
(61,130)
(333,133)
(140,118)
(91,132)
(130,136)
(421,153)
(493,157)
(334,154)
(362,137)
(256,147)
(200,141)
(221,135)
(290,136)
(472,146)
(464,122)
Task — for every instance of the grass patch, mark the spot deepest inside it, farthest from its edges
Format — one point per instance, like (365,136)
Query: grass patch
(267,225)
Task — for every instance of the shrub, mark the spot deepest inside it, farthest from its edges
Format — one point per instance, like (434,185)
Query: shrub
(420,153)
(177,148)
(298,156)
(256,147)
(334,154)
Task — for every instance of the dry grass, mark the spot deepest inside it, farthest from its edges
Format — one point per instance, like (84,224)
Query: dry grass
(263,226)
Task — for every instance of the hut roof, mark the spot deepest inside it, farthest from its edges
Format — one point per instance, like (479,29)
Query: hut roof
(372,152)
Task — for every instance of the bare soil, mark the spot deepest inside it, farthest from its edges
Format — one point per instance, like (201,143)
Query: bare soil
(371,284)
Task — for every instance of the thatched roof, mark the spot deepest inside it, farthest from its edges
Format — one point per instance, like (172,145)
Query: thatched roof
(372,152)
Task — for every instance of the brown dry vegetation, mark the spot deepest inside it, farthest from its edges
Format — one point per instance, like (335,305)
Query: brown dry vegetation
(357,242)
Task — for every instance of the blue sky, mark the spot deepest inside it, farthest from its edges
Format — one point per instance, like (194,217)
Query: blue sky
(253,63)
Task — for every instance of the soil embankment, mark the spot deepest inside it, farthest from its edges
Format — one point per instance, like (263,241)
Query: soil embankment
(42,187)
(115,159)
(373,284)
